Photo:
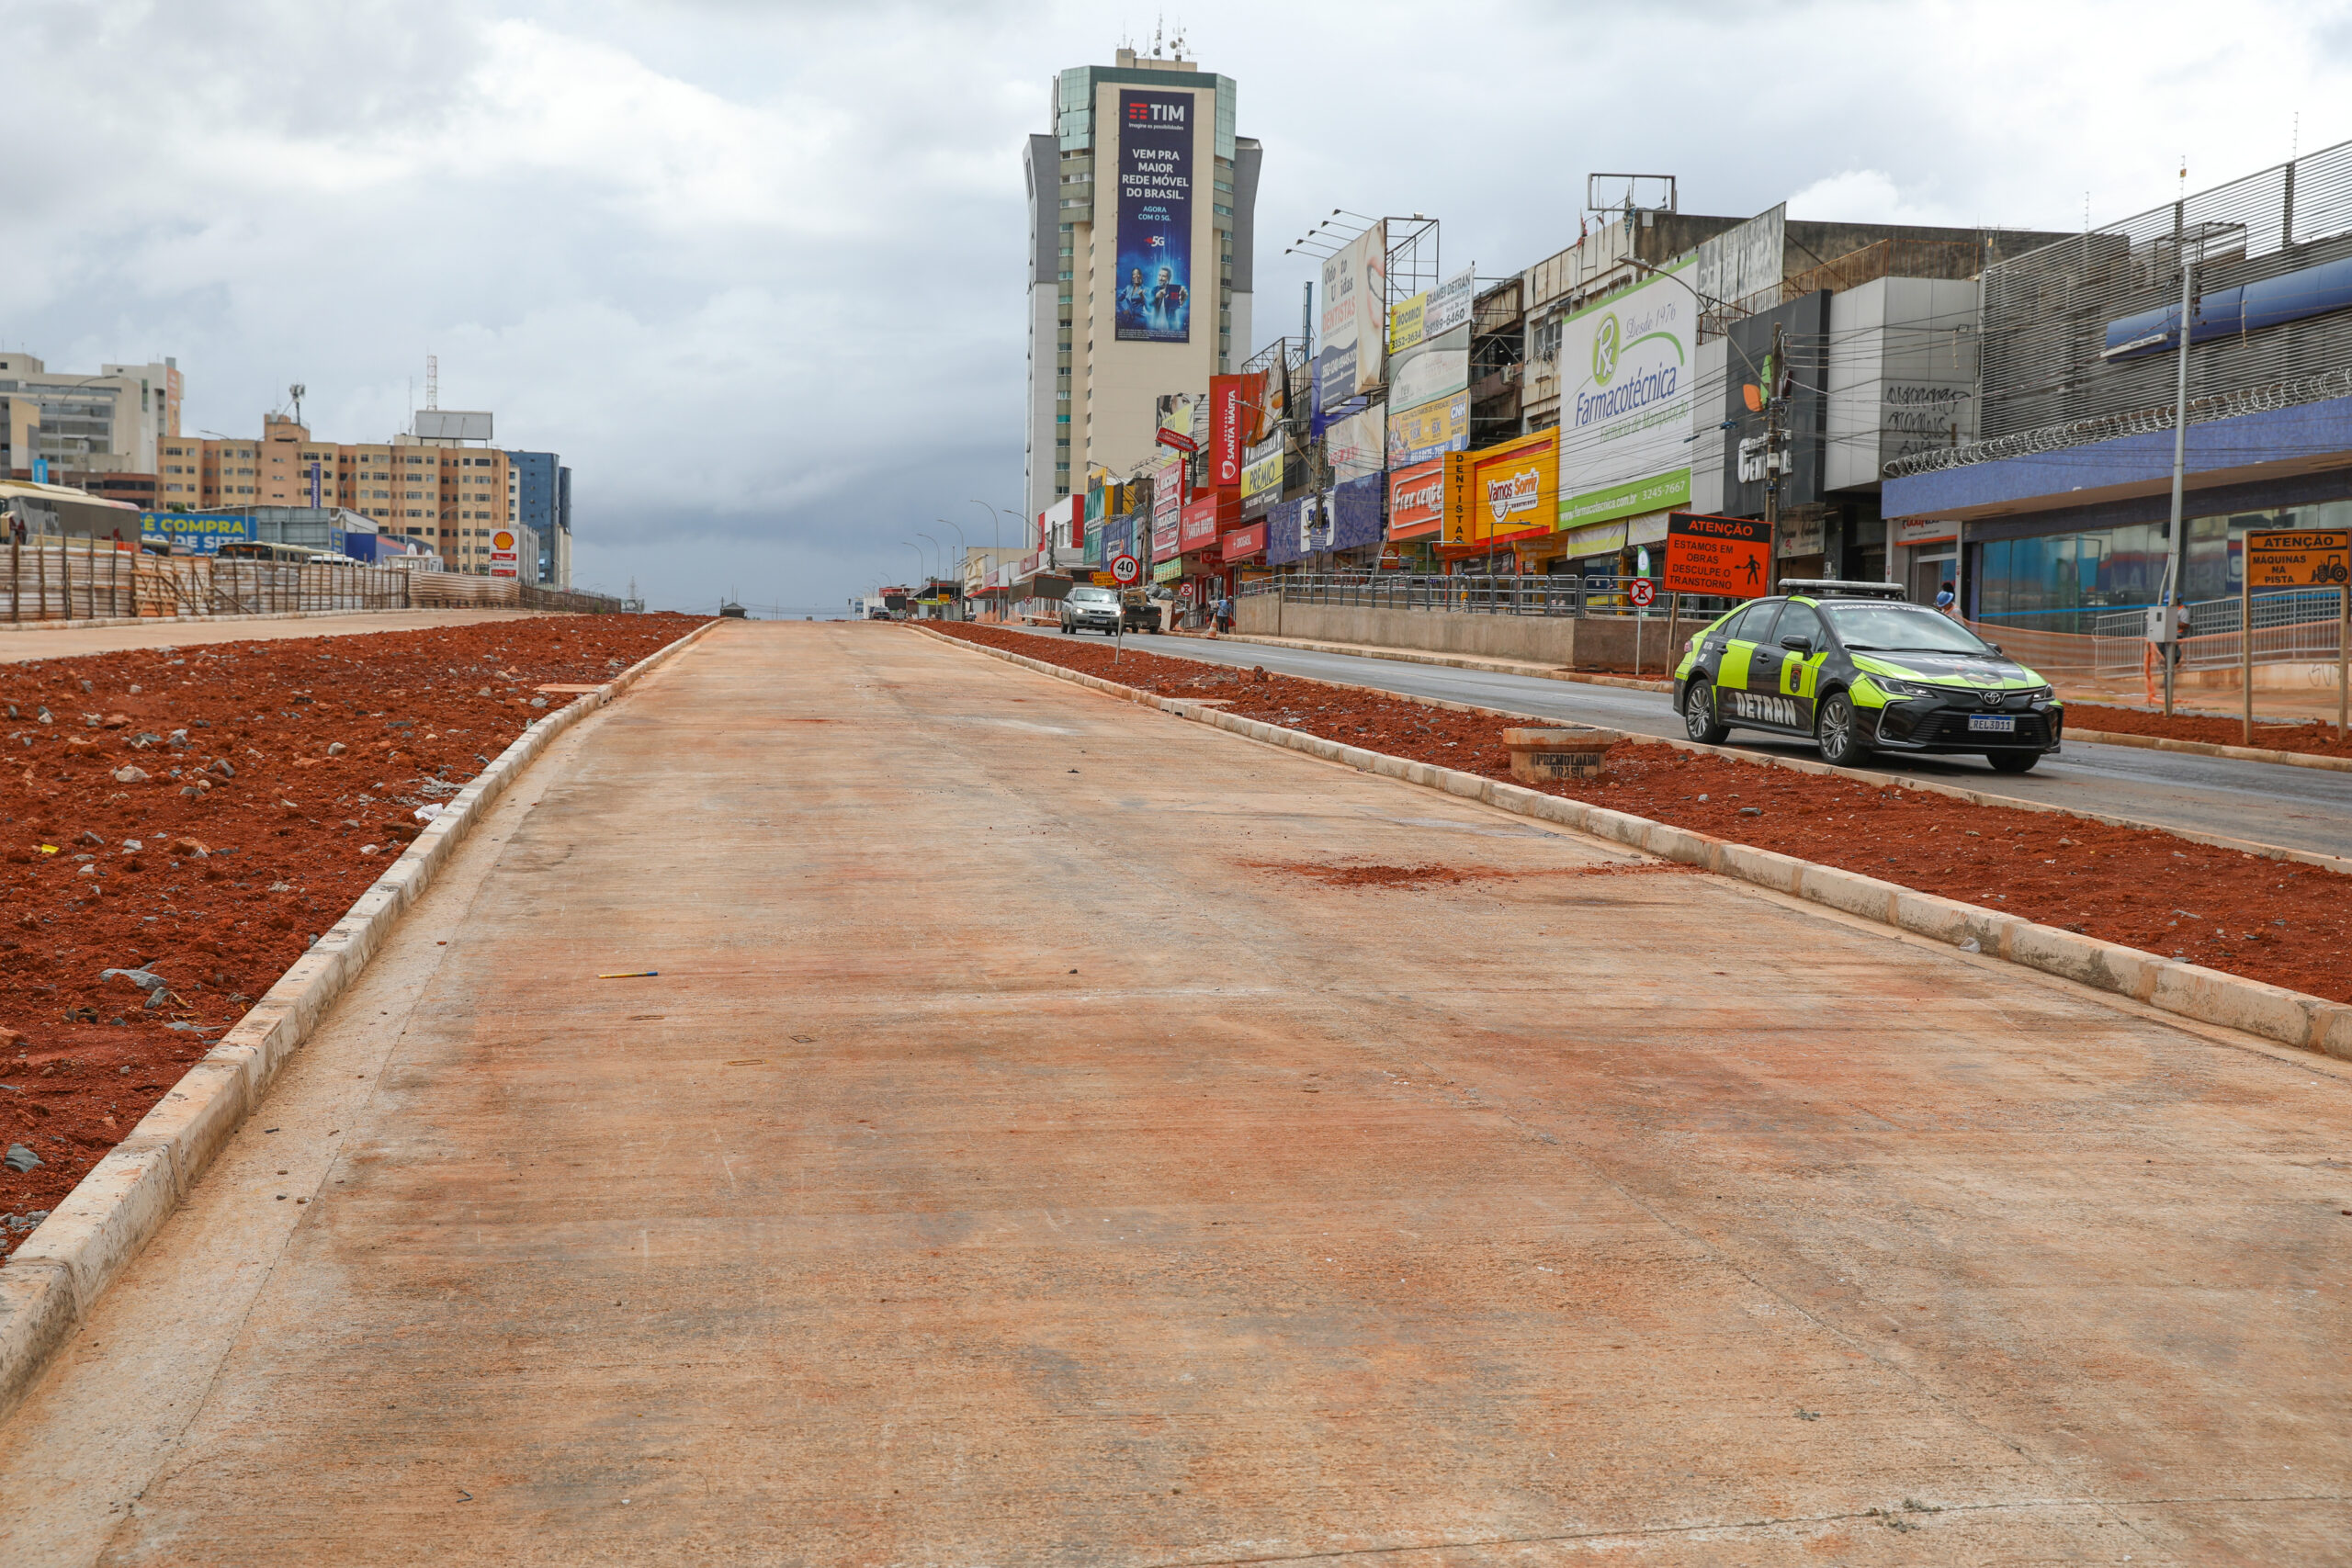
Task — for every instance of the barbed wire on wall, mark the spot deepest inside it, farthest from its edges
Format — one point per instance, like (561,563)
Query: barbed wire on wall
(2136,421)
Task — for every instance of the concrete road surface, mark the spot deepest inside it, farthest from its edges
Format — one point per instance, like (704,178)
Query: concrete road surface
(2304,808)
(1034,1150)
(17,646)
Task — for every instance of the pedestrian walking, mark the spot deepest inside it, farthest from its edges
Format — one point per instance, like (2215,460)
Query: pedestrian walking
(1946,599)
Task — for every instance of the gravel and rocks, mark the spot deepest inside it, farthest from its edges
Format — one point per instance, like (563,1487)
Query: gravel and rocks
(142,916)
(2317,739)
(2280,922)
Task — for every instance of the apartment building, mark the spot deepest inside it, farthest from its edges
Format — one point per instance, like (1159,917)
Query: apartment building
(448,491)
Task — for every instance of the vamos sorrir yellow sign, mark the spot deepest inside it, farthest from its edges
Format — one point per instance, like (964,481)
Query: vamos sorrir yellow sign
(1515,487)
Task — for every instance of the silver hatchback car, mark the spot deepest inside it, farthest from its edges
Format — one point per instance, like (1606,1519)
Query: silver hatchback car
(1091,610)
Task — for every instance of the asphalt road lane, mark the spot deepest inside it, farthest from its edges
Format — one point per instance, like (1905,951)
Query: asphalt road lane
(2302,808)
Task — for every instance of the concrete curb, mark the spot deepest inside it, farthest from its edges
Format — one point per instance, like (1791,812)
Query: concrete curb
(60,1271)
(1873,777)
(2212,749)
(104,621)
(1451,662)
(2189,990)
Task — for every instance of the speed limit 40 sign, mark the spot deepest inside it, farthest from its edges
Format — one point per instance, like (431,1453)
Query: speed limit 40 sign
(1125,569)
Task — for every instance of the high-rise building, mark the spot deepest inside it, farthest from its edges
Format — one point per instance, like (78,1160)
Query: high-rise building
(539,491)
(108,423)
(1140,233)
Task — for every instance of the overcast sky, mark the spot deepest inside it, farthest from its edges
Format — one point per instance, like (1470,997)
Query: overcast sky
(754,267)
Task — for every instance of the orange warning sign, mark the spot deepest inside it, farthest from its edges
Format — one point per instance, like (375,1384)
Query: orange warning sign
(2298,558)
(1731,557)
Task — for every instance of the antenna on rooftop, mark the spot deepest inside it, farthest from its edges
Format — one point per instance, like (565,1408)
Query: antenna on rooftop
(295,392)
(433,380)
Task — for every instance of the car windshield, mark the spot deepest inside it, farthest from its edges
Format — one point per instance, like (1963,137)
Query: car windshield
(1091,596)
(1900,629)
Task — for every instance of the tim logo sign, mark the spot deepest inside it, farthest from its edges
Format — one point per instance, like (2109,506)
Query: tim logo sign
(1156,113)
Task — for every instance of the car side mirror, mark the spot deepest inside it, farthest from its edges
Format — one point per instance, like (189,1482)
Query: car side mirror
(1797,644)
(1994,647)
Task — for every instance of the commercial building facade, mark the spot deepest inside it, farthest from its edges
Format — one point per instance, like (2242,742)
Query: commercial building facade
(2053,509)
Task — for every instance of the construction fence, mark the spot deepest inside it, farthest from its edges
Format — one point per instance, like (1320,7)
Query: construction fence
(2298,627)
(72,580)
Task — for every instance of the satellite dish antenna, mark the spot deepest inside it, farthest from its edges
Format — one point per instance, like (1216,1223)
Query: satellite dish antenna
(296,392)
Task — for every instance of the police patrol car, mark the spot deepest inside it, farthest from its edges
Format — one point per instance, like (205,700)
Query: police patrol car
(1860,669)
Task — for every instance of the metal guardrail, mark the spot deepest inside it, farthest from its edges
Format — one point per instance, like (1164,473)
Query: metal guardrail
(1477,593)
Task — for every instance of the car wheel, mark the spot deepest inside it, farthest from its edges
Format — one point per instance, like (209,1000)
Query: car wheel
(1699,715)
(2013,761)
(1065,628)
(1838,733)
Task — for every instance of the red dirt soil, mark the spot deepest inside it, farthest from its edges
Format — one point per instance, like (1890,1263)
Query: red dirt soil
(2318,740)
(2279,921)
(215,891)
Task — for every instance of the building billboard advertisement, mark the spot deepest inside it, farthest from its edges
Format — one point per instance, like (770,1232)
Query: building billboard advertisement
(1625,402)
(1262,484)
(1154,298)
(1514,487)
(1430,369)
(202,532)
(1432,313)
(1357,445)
(1415,434)
(1355,318)
(1746,259)
(1227,420)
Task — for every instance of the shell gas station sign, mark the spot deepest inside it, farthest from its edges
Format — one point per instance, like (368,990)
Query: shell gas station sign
(504,561)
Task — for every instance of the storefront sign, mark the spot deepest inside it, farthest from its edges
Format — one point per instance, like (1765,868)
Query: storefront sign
(1243,543)
(1730,556)
(1925,531)
(1199,528)
(1593,539)
(1514,492)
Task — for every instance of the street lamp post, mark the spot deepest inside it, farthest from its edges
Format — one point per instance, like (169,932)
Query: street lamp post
(938,555)
(962,564)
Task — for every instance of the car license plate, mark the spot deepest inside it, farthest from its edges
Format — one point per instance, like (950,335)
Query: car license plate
(1985,724)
